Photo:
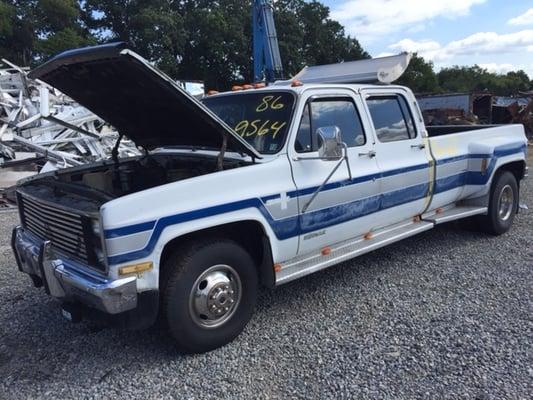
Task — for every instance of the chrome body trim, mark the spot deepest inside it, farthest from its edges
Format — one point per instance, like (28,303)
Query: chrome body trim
(453,214)
(343,251)
(69,281)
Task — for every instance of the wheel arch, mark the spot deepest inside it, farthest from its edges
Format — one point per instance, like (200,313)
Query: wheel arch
(250,234)
(517,168)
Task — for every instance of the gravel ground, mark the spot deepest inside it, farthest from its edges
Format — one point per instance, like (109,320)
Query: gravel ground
(447,314)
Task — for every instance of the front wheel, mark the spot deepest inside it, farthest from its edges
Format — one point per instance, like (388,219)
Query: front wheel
(210,294)
(503,205)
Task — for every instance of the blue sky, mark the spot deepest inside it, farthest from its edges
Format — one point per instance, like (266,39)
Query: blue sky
(496,34)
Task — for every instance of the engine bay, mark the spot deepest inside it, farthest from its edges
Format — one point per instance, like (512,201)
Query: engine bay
(102,182)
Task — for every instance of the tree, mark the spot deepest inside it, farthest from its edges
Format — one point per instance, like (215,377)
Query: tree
(33,30)
(324,40)
(153,28)
(472,79)
(17,33)
(420,76)
(212,41)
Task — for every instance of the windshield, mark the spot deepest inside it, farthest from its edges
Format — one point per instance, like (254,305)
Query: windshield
(262,119)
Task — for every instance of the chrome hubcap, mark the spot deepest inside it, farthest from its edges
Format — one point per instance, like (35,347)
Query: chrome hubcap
(215,296)
(506,203)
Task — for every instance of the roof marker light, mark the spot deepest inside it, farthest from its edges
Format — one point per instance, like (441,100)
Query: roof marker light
(236,88)
(296,83)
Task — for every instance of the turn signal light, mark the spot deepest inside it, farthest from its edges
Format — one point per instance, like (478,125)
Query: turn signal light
(136,268)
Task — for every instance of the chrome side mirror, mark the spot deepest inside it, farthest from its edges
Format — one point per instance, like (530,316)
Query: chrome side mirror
(330,143)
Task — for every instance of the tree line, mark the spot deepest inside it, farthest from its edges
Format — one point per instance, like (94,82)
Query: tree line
(211,40)
(422,78)
(188,39)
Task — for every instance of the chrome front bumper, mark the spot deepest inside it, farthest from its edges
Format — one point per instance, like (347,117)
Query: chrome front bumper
(69,281)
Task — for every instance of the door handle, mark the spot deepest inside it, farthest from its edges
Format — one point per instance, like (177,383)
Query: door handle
(421,146)
(370,154)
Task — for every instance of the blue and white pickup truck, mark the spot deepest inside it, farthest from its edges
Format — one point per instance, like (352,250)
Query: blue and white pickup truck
(251,187)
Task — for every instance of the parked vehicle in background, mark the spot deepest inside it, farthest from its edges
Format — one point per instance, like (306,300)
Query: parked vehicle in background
(254,187)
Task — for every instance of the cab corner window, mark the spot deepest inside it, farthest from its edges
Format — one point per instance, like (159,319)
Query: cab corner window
(392,118)
(321,113)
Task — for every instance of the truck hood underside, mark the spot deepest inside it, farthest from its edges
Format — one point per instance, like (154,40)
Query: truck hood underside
(141,102)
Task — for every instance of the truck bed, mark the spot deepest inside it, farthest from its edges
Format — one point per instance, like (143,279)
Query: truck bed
(466,156)
(441,130)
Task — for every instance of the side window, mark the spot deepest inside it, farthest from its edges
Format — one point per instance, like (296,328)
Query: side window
(392,118)
(320,113)
(304,140)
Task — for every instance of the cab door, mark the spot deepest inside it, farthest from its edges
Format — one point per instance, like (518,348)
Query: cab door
(403,155)
(343,208)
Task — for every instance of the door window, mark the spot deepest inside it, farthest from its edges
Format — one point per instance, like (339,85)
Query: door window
(392,118)
(320,113)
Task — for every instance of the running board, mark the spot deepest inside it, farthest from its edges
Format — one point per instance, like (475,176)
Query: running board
(343,251)
(452,214)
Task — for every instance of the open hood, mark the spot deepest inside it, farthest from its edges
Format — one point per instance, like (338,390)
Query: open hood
(140,101)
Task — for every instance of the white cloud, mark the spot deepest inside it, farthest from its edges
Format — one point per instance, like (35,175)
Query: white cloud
(499,68)
(370,19)
(480,43)
(524,19)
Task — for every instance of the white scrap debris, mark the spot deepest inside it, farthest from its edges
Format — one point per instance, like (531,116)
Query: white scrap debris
(36,118)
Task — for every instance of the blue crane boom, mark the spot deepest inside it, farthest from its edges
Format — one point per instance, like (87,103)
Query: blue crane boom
(267,59)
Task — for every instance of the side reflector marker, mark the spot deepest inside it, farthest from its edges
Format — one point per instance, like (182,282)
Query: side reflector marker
(135,268)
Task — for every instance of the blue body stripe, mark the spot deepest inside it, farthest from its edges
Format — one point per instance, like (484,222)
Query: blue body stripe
(129,230)
(297,225)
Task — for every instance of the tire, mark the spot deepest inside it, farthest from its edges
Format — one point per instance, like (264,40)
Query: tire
(503,205)
(210,291)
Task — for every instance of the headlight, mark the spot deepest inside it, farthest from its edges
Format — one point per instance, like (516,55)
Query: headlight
(96,229)
(95,225)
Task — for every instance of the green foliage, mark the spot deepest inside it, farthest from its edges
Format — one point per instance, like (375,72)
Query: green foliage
(17,30)
(420,76)
(62,40)
(212,40)
(34,30)
(475,79)
(218,46)
(56,15)
(153,28)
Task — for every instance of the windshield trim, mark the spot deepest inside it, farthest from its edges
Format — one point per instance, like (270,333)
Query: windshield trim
(290,119)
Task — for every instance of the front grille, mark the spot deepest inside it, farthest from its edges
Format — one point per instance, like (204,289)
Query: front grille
(68,232)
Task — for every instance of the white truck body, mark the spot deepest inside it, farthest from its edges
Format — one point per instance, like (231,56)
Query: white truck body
(139,226)
(391,190)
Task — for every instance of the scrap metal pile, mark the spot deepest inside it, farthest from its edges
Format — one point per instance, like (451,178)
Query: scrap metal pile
(41,129)
(478,108)
(516,110)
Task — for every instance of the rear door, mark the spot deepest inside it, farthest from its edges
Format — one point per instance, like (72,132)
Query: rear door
(403,155)
(343,208)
